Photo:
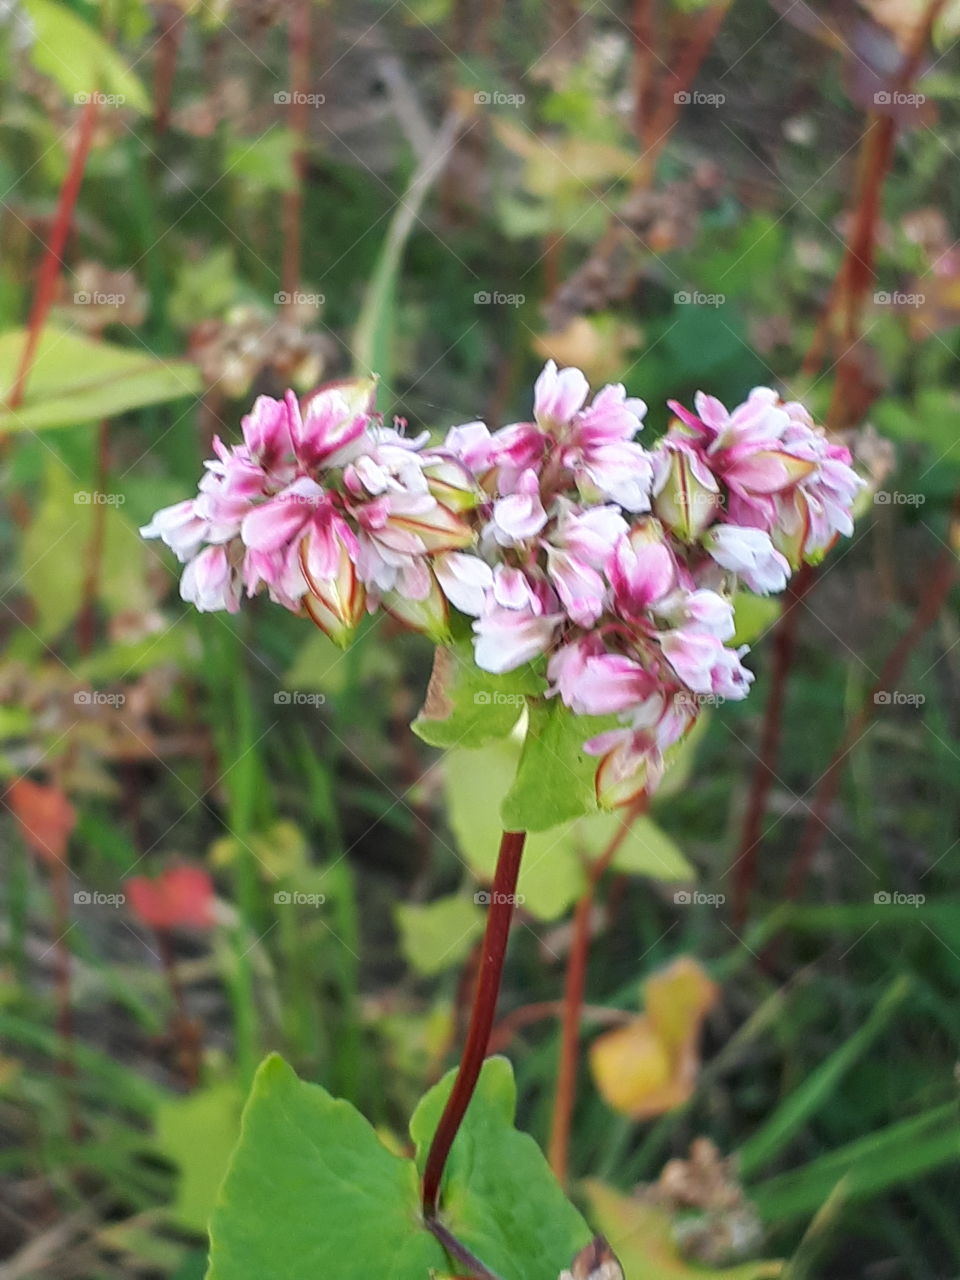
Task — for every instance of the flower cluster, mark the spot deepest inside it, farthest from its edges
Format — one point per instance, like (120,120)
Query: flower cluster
(563,538)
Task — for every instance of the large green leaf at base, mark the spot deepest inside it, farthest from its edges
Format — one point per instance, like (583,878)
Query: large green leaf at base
(75,380)
(498,1196)
(313,1194)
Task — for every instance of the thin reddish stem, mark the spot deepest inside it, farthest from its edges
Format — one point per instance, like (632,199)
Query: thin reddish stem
(849,291)
(745,867)
(502,899)
(574,985)
(52,260)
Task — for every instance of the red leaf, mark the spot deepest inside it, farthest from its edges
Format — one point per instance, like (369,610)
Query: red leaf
(45,816)
(179,898)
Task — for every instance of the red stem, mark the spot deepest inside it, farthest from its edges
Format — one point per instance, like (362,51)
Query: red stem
(575,982)
(849,291)
(502,898)
(50,266)
(744,869)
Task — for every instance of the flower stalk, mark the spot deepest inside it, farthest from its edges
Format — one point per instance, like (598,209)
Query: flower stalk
(502,899)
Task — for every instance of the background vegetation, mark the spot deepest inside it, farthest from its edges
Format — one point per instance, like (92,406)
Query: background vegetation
(202,202)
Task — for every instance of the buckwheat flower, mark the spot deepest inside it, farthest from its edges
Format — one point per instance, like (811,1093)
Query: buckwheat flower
(750,554)
(642,571)
(507,638)
(705,664)
(465,580)
(180,527)
(328,510)
(594,683)
(211,582)
(520,515)
(557,395)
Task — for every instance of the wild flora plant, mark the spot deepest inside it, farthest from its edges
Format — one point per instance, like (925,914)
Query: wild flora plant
(586,578)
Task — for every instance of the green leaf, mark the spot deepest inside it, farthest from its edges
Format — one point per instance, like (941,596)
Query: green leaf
(647,850)
(75,380)
(551,874)
(818,1087)
(900,1154)
(265,164)
(312,1192)
(436,935)
(374,335)
(468,707)
(555,778)
(213,1112)
(498,1196)
(753,616)
(74,55)
(54,551)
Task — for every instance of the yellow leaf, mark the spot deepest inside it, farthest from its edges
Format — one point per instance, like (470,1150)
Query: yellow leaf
(650,1065)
